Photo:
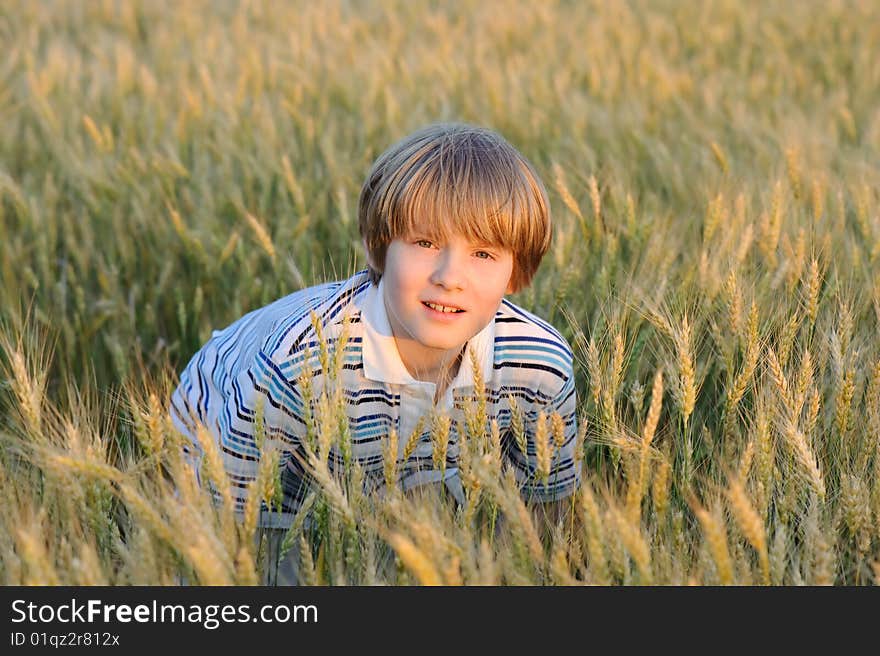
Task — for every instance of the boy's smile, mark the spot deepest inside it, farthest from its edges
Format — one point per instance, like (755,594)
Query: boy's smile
(439,294)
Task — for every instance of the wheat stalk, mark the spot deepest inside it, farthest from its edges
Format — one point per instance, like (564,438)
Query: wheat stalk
(592,521)
(635,543)
(543,451)
(715,533)
(749,523)
(805,458)
(415,560)
(261,234)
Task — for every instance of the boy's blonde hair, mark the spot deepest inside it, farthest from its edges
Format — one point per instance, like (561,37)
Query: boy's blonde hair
(455,178)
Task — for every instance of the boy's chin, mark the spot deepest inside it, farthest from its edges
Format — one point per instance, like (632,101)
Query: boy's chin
(440,345)
(441,342)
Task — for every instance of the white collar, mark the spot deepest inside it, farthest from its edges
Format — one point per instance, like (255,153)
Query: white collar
(381,358)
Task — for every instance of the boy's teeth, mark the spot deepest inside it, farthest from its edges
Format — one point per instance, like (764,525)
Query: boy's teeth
(441,308)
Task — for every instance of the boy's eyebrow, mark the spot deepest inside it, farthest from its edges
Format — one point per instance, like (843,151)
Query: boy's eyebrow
(422,235)
(439,237)
(484,245)
(480,243)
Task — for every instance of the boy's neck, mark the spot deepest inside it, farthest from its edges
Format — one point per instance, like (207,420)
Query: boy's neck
(440,370)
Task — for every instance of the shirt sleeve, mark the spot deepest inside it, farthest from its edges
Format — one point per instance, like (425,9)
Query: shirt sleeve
(232,408)
(191,402)
(565,472)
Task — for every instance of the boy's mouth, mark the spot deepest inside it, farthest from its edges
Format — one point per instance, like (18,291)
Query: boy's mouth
(445,309)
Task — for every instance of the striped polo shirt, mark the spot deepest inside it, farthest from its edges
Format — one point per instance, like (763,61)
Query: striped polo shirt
(259,362)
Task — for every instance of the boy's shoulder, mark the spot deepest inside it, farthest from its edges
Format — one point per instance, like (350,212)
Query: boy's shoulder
(528,347)
(293,329)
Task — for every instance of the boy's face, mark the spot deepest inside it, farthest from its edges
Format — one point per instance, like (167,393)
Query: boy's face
(472,278)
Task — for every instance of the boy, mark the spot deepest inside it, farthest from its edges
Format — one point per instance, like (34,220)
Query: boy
(452,218)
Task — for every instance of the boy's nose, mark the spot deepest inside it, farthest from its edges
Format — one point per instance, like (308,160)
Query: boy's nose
(449,271)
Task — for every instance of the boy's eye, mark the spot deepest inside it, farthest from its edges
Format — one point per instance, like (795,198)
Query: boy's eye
(424,243)
(483,255)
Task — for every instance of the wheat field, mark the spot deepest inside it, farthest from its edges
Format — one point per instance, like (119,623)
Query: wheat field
(714,174)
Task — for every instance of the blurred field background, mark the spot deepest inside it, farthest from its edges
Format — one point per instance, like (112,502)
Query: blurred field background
(713,171)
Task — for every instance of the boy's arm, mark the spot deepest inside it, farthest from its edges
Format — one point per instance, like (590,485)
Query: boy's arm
(183,419)
(265,413)
(256,410)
